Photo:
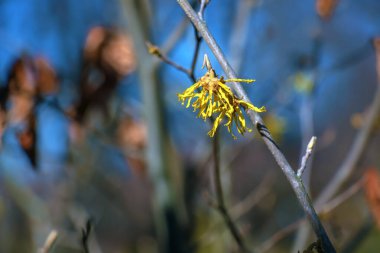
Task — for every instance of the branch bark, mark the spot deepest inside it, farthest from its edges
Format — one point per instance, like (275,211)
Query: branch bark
(156,155)
(294,181)
(220,204)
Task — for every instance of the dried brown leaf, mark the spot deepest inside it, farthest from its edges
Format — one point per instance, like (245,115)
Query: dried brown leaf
(27,139)
(325,8)
(118,54)
(94,40)
(110,49)
(358,119)
(372,191)
(22,77)
(109,55)
(376,44)
(21,108)
(47,82)
(132,137)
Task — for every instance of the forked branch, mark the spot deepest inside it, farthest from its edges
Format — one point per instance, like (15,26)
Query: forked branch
(295,182)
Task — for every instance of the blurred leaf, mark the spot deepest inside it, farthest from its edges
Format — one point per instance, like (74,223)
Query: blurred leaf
(325,8)
(376,44)
(303,82)
(328,137)
(132,137)
(22,77)
(47,82)
(118,54)
(27,139)
(111,49)
(372,191)
(108,56)
(357,120)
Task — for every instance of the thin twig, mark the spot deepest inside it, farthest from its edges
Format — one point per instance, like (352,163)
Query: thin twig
(358,146)
(173,38)
(86,231)
(338,200)
(348,166)
(198,39)
(279,235)
(295,182)
(202,7)
(220,205)
(49,243)
(240,32)
(216,152)
(326,209)
(353,156)
(154,50)
(359,236)
(241,208)
(253,198)
(305,158)
(307,131)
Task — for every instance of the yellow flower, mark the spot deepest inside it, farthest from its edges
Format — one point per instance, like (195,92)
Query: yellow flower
(212,96)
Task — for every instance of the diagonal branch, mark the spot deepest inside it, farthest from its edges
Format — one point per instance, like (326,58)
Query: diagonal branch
(220,205)
(324,211)
(295,182)
(353,156)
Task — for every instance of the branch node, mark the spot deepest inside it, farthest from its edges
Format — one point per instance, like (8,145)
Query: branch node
(153,49)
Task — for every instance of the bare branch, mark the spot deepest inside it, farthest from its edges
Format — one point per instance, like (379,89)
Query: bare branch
(358,146)
(253,198)
(202,7)
(326,209)
(335,202)
(295,182)
(242,207)
(279,235)
(220,205)
(49,243)
(198,39)
(86,231)
(154,50)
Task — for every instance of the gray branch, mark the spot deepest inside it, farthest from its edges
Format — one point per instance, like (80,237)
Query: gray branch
(353,156)
(295,182)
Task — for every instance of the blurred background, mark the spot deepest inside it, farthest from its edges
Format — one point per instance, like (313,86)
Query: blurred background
(97,154)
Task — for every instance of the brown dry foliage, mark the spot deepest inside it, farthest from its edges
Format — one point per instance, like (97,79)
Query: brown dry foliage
(47,82)
(376,43)
(29,78)
(110,49)
(325,8)
(372,192)
(132,137)
(27,139)
(108,57)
